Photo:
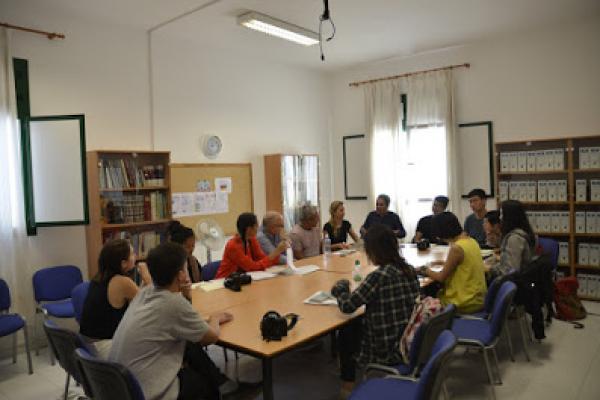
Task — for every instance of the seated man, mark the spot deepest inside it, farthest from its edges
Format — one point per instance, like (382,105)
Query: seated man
(269,234)
(151,338)
(382,215)
(474,222)
(493,229)
(424,228)
(306,236)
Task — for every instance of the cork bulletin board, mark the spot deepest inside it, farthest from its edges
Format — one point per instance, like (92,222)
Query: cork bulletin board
(185,178)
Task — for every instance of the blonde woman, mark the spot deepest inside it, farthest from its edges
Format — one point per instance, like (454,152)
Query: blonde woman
(338,228)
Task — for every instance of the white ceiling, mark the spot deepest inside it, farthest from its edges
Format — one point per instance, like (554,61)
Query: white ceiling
(367,30)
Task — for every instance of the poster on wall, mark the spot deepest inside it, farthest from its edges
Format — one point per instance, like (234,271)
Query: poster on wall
(223,185)
(187,204)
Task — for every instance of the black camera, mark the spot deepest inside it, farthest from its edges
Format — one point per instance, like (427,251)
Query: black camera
(273,326)
(236,280)
(423,244)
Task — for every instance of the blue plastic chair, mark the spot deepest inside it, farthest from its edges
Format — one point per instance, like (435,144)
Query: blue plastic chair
(52,288)
(209,271)
(63,343)
(484,334)
(78,296)
(427,386)
(550,247)
(421,346)
(11,323)
(108,380)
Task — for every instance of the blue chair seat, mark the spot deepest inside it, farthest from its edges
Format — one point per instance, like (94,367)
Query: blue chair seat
(473,329)
(10,323)
(385,389)
(60,309)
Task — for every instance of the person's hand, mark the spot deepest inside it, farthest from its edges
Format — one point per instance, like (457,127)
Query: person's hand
(340,287)
(144,273)
(345,245)
(221,317)
(282,246)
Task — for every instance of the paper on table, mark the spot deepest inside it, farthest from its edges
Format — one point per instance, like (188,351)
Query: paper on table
(344,252)
(321,298)
(209,286)
(292,269)
(306,269)
(260,275)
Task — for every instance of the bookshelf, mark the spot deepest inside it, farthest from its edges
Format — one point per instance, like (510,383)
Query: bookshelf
(558,182)
(129,196)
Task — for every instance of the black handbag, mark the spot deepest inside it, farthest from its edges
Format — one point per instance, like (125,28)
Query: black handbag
(273,326)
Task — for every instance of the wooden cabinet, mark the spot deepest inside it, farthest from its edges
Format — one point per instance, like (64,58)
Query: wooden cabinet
(129,197)
(558,181)
(290,182)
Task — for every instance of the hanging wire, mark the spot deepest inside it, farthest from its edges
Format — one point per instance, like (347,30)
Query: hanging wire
(325,17)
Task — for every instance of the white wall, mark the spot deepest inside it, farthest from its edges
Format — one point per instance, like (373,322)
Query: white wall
(531,85)
(98,70)
(254,106)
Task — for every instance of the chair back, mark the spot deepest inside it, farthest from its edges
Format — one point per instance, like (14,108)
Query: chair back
(490,296)
(432,376)
(4,296)
(426,336)
(210,270)
(55,283)
(550,247)
(78,296)
(64,343)
(501,308)
(108,380)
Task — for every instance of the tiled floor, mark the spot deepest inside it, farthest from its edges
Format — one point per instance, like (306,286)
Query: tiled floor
(565,366)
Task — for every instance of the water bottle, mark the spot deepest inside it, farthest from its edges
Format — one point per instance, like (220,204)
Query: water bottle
(356,272)
(326,246)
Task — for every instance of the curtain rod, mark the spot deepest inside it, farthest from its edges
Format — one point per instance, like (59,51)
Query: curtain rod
(387,78)
(49,35)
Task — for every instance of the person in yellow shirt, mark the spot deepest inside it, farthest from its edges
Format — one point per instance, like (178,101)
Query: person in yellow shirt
(463,274)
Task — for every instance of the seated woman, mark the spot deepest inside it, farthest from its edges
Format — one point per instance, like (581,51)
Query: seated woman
(243,253)
(389,294)
(493,229)
(518,243)
(463,273)
(185,236)
(382,215)
(109,293)
(305,235)
(338,229)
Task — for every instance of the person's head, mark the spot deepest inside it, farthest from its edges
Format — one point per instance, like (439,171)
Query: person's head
(381,246)
(116,258)
(273,222)
(247,225)
(447,225)
(439,204)
(183,235)
(167,264)
(513,216)
(337,210)
(382,204)
(309,216)
(477,200)
(491,222)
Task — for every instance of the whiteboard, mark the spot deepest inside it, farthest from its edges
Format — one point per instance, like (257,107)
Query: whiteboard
(476,158)
(58,175)
(356,172)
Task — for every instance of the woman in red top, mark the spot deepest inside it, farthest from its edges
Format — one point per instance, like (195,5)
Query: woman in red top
(243,252)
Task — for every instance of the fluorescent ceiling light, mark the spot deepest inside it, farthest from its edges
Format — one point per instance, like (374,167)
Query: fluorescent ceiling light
(275,27)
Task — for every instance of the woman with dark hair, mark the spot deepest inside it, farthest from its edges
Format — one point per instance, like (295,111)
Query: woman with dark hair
(185,236)
(463,273)
(243,252)
(518,240)
(109,293)
(382,215)
(389,294)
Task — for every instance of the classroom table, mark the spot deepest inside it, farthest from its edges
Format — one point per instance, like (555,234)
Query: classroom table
(286,294)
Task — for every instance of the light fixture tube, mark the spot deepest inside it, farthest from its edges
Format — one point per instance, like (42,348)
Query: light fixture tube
(272,26)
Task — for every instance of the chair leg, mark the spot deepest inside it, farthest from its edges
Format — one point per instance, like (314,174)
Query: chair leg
(225,355)
(445,393)
(488,367)
(27,349)
(497,365)
(67,387)
(14,349)
(523,329)
(50,348)
(509,340)
(35,332)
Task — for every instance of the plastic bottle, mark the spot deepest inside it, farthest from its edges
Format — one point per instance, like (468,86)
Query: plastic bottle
(327,246)
(356,272)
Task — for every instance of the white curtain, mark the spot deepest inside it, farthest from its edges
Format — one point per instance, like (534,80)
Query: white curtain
(14,266)
(430,103)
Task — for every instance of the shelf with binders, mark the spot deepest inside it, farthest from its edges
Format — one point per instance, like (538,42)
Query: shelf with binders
(135,189)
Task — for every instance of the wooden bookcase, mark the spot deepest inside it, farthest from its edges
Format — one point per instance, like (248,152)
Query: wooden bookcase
(555,165)
(129,196)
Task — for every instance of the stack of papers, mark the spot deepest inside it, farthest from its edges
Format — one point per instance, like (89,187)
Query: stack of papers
(260,275)
(322,298)
(209,286)
(344,252)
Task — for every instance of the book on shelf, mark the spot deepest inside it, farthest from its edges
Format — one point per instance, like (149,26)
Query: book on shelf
(119,208)
(142,242)
(124,173)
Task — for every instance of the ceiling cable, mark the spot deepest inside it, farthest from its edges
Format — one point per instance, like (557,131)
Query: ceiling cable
(325,17)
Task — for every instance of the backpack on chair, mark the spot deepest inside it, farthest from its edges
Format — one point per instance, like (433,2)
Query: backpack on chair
(567,303)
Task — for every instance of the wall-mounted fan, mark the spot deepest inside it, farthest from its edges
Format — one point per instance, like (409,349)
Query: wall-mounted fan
(210,235)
